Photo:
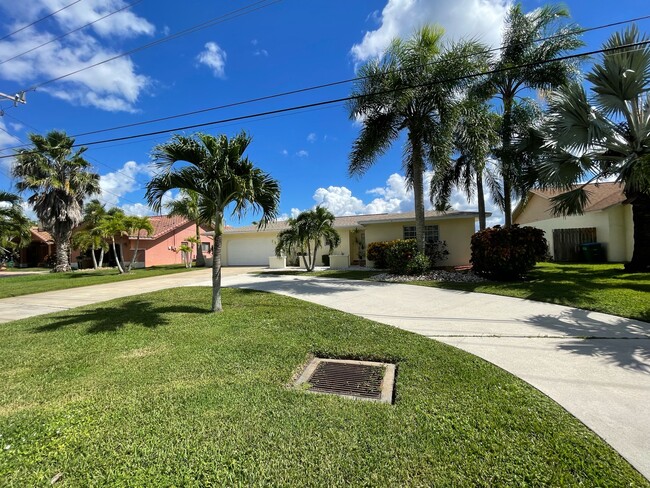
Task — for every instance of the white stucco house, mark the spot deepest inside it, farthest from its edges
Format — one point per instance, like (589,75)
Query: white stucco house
(246,246)
(606,212)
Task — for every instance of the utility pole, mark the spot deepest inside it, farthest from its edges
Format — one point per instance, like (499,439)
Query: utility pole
(17,98)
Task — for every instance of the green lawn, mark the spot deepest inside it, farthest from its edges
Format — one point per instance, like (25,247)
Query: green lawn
(600,287)
(13,286)
(153,391)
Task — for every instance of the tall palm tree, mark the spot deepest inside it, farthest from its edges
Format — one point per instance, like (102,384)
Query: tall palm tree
(605,135)
(220,174)
(475,138)
(521,47)
(136,226)
(306,233)
(14,226)
(188,206)
(414,88)
(59,179)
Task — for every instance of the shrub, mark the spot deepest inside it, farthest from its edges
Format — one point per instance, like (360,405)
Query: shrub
(436,252)
(399,254)
(507,253)
(377,253)
(419,264)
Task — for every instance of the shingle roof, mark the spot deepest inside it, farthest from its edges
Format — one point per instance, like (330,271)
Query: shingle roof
(41,235)
(601,195)
(352,221)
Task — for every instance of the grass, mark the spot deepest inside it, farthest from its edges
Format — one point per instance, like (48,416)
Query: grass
(153,391)
(600,287)
(13,286)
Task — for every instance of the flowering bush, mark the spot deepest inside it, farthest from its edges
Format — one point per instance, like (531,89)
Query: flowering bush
(507,253)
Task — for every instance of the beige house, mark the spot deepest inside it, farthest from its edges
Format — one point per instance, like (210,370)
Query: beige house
(246,246)
(606,213)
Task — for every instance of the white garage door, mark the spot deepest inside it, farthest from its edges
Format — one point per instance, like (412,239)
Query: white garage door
(250,252)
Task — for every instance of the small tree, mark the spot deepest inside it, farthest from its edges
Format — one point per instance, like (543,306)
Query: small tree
(114,224)
(306,233)
(14,226)
(189,206)
(90,240)
(135,226)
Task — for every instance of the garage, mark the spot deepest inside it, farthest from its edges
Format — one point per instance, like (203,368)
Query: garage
(251,251)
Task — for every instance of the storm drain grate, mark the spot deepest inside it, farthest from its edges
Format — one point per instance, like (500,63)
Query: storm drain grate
(356,379)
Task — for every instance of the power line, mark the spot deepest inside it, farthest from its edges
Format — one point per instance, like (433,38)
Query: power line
(333,83)
(214,21)
(71,32)
(39,20)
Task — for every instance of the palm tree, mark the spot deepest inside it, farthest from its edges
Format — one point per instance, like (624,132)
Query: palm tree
(220,174)
(135,225)
(306,233)
(94,212)
(14,226)
(188,206)
(113,224)
(521,47)
(414,88)
(59,179)
(474,140)
(605,135)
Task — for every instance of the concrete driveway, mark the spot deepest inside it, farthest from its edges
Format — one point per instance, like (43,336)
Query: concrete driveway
(597,366)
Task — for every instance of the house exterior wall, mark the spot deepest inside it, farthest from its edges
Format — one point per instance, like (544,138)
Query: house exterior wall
(536,209)
(228,239)
(457,233)
(613,229)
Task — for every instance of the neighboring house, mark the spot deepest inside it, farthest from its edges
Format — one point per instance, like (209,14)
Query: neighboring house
(606,217)
(161,247)
(38,251)
(246,246)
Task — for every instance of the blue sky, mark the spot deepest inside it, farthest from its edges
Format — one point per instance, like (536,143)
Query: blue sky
(281,46)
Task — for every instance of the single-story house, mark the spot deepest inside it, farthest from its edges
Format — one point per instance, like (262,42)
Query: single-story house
(607,219)
(161,247)
(38,251)
(246,246)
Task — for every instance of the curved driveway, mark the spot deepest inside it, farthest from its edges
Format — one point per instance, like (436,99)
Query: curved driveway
(597,366)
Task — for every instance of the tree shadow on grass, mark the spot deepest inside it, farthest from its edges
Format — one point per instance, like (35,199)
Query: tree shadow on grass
(622,342)
(112,318)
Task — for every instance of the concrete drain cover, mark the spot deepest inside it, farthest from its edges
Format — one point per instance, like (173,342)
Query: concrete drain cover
(354,379)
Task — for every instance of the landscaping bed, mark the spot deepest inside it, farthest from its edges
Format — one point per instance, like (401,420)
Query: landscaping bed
(153,391)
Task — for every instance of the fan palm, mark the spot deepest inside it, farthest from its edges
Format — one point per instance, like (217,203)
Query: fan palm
(220,174)
(14,226)
(188,206)
(522,46)
(605,136)
(59,179)
(414,88)
(306,233)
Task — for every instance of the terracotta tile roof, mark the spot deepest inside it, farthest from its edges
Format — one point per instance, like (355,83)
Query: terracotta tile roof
(352,221)
(41,235)
(601,195)
(163,224)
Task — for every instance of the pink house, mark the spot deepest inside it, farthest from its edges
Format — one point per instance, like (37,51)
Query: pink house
(162,246)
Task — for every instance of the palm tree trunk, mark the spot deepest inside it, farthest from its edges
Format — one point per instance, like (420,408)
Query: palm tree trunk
(417,163)
(101,258)
(200,259)
(216,267)
(62,245)
(506,159)
(641,220)
(92,252)
(480,196)
(135,253)
(117,260)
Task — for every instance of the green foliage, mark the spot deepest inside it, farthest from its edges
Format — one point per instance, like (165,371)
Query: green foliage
(399,254)
(396,255)
(420,264)
(14,226)
(507,253)
(377,253)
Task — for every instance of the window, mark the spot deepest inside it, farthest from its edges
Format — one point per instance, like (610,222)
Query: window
(205,246)
(431,233)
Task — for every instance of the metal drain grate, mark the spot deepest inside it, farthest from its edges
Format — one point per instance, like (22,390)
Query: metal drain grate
(357,379)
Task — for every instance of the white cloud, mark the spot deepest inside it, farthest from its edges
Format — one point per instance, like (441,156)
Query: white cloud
(214,58)
(311,137)
(475,19)
(284,152)
(114,86)
(118,183)
(137,209)
(302,153)
(261,52)
(6,140)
